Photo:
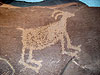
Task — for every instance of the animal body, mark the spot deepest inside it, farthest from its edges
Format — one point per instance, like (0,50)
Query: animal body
(45,36)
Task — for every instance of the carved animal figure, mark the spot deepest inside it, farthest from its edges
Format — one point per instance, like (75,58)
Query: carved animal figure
(45,36)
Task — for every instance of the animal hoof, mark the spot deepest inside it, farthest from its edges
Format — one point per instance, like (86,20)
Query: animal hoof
(34,61)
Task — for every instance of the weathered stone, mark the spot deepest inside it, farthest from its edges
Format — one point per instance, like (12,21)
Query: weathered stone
(38,29)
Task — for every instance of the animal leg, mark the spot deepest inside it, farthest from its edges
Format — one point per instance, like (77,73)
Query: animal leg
(22,56)
(30,54)
(63,48)
(33,61)
(22,61)
(62,45)
(30,58)
(69,45)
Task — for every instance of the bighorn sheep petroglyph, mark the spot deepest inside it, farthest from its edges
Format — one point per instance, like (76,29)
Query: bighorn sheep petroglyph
(45,36)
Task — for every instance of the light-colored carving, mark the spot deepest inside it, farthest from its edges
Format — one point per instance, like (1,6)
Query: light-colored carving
(81,66)
(45,36)
(8,64)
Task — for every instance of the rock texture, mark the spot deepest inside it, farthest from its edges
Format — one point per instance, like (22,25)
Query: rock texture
(82,56)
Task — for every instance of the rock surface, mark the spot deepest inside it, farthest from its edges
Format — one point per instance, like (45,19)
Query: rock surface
(83,29)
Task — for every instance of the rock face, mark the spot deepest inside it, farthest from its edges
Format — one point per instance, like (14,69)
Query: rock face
(59,40)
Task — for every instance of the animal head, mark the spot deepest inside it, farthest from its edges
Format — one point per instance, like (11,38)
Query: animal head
(57,13)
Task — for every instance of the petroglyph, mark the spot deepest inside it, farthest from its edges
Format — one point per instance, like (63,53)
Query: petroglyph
(45,36)
(8,64)
(81,66)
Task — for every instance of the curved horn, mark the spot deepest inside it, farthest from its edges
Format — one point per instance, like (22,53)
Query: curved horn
(56,11)
(58,15)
